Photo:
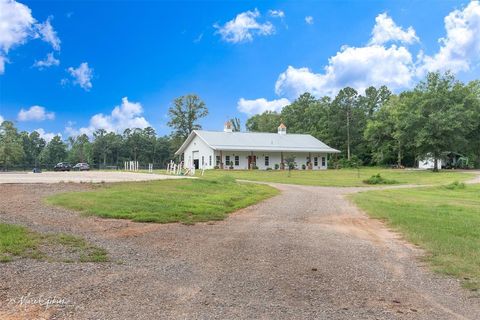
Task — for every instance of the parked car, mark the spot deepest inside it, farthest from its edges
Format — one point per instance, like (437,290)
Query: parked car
(62,166)
(81,166)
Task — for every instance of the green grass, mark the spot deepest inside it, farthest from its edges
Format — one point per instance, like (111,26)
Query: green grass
(444,220)
(20,242)
(186,200)
(341,177)
(16,241)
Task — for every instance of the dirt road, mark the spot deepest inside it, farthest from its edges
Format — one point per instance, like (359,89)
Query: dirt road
(305,254)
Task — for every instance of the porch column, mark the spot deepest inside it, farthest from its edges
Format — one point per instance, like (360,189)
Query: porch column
(221,159)
(310,161)
(282,165)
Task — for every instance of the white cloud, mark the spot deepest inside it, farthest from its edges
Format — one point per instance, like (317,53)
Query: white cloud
(244,27)
(49,61)
(48,34)
(1,119)
(358,67)
(2,64)
(126,115)
(35,113)
(261,105)
(386,30)
(17,26)
(309,20)
(198,38)
(47,136)
(276,14)
(380,63)
(460,48)
(355,67)
(82,75)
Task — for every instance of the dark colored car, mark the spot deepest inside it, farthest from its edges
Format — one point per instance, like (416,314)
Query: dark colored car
(62,166)
(81,166)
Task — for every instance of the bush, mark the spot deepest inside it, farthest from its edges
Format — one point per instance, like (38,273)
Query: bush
(216,167)
(354,162)
(378,179)
(304,167)
(269,168)
(455,185)
(277,166)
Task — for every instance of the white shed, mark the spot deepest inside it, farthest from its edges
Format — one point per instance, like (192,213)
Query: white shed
(429,163)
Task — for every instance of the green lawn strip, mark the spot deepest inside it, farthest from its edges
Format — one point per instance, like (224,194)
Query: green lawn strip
(340,177)
(445,222)
(20,242)
(163,201)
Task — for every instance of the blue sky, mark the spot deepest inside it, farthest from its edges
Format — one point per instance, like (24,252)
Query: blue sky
(240,57)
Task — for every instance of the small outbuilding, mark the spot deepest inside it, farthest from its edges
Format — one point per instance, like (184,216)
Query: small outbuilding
(247,150)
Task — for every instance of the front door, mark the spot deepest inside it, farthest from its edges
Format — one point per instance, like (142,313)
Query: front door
(196,159)
(252,161)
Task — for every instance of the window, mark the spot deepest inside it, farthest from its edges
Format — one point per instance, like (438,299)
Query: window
(324,160)
(210,161)
(237,160)
(217,161)
(315,161)
(267,161)
(227,160)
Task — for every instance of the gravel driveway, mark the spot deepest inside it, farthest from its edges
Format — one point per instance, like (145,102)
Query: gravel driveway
(80,176)
(305,254)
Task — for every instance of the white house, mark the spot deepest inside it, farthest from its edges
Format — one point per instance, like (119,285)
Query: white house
(245,150)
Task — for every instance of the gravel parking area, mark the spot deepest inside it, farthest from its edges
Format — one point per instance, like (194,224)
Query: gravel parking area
(80,176)
(305,254)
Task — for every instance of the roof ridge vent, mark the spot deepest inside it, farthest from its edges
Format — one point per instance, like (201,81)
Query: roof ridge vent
(227,127)
(282,129)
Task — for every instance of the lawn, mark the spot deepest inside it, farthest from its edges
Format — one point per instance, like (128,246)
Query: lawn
(186,200)
(20,242)
(341,177)
(445,222)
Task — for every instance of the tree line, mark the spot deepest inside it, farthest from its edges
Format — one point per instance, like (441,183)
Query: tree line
(26,150)
(23,150)
(375,128)
(440,114)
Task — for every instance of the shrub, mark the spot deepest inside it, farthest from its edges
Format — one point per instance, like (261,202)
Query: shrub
(269,168)
(216,167)
(378,179)
(354,162)
(455,185)
(277,166)
(304,167)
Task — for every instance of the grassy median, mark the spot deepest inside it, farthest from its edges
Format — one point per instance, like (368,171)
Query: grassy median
(186,200)
(444,220)
(341,177)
